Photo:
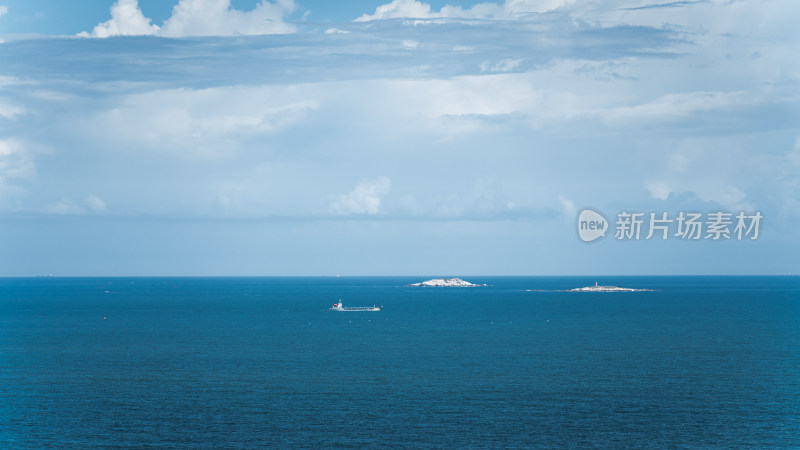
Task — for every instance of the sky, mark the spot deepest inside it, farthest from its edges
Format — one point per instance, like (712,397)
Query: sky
(257,138)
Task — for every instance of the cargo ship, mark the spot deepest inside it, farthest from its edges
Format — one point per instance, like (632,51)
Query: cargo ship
(338,307)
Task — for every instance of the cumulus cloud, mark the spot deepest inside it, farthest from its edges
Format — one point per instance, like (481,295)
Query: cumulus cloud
(198,18)
(126,19)
(364,199)
(510,9)
(419,105)
(217,18)
(399,9)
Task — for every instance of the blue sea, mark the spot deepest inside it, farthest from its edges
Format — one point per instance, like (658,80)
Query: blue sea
(698,362)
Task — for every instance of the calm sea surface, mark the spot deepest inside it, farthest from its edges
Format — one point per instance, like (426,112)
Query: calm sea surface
(260,362)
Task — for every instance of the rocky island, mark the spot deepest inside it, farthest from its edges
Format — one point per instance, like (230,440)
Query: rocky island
(447,282)
(597,288)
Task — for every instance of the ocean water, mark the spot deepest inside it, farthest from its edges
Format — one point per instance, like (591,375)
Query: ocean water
(699,362)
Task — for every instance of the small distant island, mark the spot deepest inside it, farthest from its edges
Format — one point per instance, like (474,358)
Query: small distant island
(597,288)
(446,282)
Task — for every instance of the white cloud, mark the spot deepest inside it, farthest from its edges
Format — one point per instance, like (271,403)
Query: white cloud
(410,45)
(8,110)
(65,206)
(469,95)
(15,159)
(567,206)
(95,203)
(10,81)
(3,11)
(68,206)
(513,7)
(716,170)
(730,197)
(16,167)
(126,20)
(201,120)
(510,9)
(458,103)
(6,148)
(564,103)
(680,104)
(364,199)
(678,162)
(399,9)
(420,111)
(790,178)
(727,196)
(487,198)
(217,18)
(658,189)
(793,157)
(505,65)
(198,18)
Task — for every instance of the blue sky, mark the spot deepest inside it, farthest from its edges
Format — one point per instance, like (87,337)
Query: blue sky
(210,137)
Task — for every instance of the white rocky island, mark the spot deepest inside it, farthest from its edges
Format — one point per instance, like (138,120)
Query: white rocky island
(446,282)
(597,288)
